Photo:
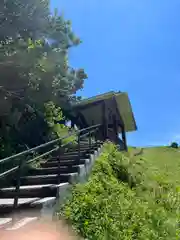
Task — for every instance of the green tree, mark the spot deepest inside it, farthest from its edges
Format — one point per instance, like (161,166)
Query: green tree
(174,145)
(42,40)
(34,66)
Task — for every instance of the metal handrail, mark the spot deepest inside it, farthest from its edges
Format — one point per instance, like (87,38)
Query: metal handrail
(47,144)
(23,163)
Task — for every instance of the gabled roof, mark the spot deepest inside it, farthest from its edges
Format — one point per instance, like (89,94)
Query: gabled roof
(94,99)
(91,111)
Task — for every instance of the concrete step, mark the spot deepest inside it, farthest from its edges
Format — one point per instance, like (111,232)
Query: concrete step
(8,224)
(28,207)
(8,202)
(30,191)
(53,170)
(75,152)
(73,155)
(83,145)
(75,148)
(5,222)
(86,144)
(49,179)
(71,148)
(41,186)
(64,163)
(68,158)
(86,140)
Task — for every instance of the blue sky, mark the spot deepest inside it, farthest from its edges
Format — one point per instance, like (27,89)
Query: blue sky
(132,46)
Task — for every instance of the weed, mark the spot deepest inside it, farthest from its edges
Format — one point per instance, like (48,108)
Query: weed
(127,198)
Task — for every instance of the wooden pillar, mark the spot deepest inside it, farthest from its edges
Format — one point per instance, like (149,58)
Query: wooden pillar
(124,137)
(115,126)
(104,121)
(121,125)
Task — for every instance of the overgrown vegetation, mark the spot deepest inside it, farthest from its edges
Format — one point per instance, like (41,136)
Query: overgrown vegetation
(55,119)
(34,45)
(174,145)
(128,197)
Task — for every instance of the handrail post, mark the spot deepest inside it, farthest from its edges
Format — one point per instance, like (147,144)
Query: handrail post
(18,183)
(79,148)
(59,161)
(96,134)
(90,139)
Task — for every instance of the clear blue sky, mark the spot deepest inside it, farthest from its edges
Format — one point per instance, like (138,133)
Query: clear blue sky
(132,46)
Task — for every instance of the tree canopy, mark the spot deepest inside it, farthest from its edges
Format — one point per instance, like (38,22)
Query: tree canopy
(34,52)
(34,64)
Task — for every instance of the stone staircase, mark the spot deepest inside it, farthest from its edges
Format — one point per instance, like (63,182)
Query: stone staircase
(43,187)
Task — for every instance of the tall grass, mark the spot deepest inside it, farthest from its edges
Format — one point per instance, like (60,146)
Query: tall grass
(126,198)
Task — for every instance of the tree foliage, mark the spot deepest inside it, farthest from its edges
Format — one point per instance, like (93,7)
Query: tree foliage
(34,65)
(174,145)
(34,52)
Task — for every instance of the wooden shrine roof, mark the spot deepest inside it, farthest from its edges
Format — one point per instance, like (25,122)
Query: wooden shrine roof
(91,108)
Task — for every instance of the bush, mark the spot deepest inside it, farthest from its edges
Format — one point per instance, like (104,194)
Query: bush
(53,115)
(174,145)
(111,205)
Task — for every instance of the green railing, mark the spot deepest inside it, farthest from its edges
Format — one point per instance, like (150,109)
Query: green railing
(17,163)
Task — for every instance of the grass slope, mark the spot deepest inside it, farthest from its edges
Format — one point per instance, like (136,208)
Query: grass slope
(133,195)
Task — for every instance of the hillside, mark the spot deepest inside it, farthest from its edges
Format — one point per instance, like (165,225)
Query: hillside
(134,195)
(162,164)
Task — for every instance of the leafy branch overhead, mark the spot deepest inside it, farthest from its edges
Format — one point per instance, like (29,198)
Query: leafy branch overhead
(35,71)
(34,52)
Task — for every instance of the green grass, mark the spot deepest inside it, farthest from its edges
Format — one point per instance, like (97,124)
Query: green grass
(164,162)
(128,197)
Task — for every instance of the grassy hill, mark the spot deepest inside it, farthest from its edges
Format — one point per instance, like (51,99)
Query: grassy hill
(134,195)
(162,164)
